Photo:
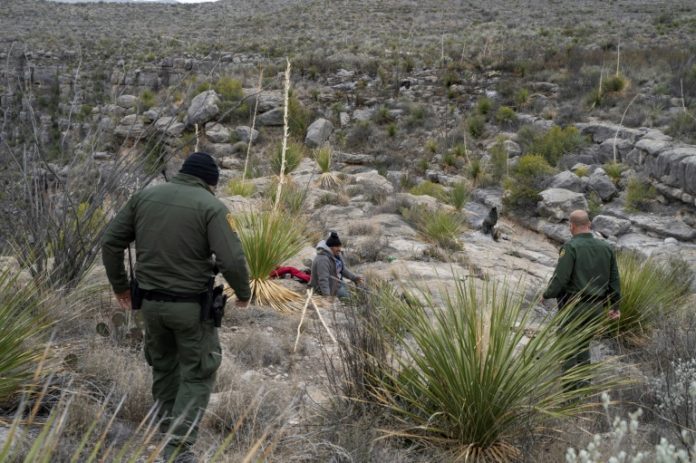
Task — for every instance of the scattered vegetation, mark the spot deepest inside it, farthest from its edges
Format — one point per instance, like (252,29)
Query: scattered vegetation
(429,188)
(614,170)
(293,156)
(476,126)
(327,180)
(239,187)
(268,242)
(439,226)
(526,180)
(474,345)
(459,195)
(639,194)
(552,144)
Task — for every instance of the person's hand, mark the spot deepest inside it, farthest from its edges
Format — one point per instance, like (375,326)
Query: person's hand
(614,314)
(358,280)
(124,300)
(241,304)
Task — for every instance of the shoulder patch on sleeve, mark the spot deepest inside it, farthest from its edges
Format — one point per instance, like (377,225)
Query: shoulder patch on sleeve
(232,222)
(562,253)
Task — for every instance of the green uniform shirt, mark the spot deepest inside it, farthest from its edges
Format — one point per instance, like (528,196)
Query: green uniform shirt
(585,264)
(176,227)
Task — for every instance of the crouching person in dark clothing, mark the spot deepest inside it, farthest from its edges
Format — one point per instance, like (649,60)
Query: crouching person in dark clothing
(328,269)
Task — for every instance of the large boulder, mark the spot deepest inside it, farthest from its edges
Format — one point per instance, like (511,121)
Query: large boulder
(127,101)
(557,203)
(244,133)
(204,107)
(611,226)
(272,118)
(373,182)
(268,99)
(611,149)
(217,133)
(318,133)
(132,126)
(169,125)
(567,180)
(600,183)
(601,131)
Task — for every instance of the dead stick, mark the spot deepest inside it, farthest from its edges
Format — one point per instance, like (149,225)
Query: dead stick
(304,311)
(321,319)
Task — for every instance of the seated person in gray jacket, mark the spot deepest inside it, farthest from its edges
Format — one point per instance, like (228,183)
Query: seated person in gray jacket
(328,269)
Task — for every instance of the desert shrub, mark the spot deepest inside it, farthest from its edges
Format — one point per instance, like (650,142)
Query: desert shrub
(332,199)
(499,161)
(675,391)
(552,144)
(431,145)
(392,129)
(484,106)
(327,180)
(614,84)
(416,116)
(429,188)
(294,154)
(475,344)
(649,291)
(239,187)
(582,171)
(382,116)
(621,433)
(476,125)
(299,118)
(613,170)
(147,99)
(522,97)
(228,88)
(476,171)
(594,204)
(268,242)
(21,330)
(639,194)
(439,226)
(506,116)
(360,134)
(459,195)
(526,180)
(683,127)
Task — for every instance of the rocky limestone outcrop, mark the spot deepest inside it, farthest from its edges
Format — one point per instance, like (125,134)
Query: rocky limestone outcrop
(556,204)
(318,133)
(204,107)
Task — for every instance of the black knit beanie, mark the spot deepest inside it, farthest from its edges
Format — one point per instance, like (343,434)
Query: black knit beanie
(333,240)
(203,166)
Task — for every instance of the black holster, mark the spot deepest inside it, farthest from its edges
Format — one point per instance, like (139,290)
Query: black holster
(213,304)
(136,295)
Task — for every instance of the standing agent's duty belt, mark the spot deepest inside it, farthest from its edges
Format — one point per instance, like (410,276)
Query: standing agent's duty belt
(168,296)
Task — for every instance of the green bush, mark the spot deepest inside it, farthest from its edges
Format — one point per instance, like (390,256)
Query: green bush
(299,118)
(582,171)
(526,181)
(639,195)
(293,156)
(499,161)
(553,144)
(239,187)
(614,170)
(476,171)
(476,126)
(650,290)
(429,188)
(683,127)
(382,116)
(507,383)
(439,226)
(392,129)
(228,89)
(22,328)
(521,97)
(147,99)
(484,106)
(459,195)
(506,116)
(431,145)
(614,84)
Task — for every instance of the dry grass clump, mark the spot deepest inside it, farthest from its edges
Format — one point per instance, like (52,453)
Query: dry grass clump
(120,371)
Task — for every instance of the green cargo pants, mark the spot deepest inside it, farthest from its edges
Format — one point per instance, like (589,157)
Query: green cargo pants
(582,353)
(184,354)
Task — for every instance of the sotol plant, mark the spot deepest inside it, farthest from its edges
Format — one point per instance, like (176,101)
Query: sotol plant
(327,179)
(268,241)
(468,378)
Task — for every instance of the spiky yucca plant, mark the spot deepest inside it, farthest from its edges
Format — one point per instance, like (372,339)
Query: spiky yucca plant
(649,290)
(21,329)
(240,187)
(269,238)
(327,179)
(294,154)
(468,378)
(440,226)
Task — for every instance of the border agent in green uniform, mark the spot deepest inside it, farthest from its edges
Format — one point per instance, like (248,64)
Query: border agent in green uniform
(586,270)
(177,227)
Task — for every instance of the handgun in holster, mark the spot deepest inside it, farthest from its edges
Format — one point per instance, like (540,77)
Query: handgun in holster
(213,307)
